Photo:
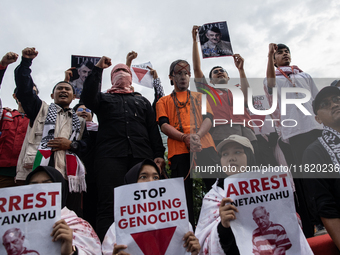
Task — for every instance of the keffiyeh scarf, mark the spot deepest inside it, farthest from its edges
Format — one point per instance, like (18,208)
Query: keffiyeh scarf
(330,140)
(75,169)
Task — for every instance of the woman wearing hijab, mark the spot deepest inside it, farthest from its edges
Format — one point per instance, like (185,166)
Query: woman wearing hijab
(76,235)
(127,134)
(213,230)
(144,171)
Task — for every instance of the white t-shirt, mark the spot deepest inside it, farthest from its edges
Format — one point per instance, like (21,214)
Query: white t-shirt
(305,123)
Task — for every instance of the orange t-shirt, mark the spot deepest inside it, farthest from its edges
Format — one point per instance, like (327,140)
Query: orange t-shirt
(166,108)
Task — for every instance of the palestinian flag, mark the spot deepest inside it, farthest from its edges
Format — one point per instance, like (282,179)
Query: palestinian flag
(42,158)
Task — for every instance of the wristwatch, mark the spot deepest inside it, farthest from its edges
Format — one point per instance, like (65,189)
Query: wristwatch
(74,146)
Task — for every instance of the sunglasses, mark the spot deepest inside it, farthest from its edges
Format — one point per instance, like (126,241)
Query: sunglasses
(221,70)
(325,104)
(82,109)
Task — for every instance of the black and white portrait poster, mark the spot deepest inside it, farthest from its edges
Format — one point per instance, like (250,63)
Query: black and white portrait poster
(266,221)
(215,40)
(27,216)
(83,67)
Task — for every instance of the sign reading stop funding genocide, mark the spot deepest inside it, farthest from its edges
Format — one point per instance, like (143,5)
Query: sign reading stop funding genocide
(151,217)
(266,220)
(27,215)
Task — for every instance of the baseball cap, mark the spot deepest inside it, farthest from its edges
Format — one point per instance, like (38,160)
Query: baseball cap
(323,93)
(244,141)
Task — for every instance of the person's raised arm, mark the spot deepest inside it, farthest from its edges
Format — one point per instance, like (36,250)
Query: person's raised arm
(9,58)
(270,66)
(91,85)
(129,57)
(157,86)
(195,54)
(30,102)
(239,63)
(69,74)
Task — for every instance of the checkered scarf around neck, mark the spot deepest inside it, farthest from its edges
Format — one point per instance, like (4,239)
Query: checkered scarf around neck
(288,70)
(121,80)
(75,169)
(330,140)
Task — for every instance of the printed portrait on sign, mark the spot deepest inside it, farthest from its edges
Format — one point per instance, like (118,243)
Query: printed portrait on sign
(215,40)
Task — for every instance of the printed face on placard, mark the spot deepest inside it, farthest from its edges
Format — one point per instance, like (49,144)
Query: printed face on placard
(233,157)
(213,36)
(148,174)
(14,244)
(261,219)
(83,72)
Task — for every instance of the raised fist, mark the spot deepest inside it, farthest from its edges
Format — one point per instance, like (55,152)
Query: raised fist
(29,53)
(104,62)
(9,58)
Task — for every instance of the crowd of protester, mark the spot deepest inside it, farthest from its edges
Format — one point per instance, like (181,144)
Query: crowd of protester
(127,138)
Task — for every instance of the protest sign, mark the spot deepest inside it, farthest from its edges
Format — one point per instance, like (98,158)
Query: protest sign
(215,40)
(266,220)
(151,217)
(84,66)
(141,74)
(27,217)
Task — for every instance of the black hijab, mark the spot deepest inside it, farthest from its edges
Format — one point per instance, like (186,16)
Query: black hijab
(56,176)
(133,174)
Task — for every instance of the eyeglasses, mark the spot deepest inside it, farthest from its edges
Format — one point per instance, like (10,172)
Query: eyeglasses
(82,109)
(221,70)
(325,104)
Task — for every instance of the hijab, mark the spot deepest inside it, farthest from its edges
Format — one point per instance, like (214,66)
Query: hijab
(121,80)
(56,177)
(133,174)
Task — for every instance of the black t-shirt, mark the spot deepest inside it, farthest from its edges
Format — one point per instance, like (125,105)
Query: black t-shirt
(324,192)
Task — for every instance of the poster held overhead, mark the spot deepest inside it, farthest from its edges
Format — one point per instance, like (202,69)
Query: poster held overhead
(151,217)
(141,74)
(84,66)
(28,214)
(215,40)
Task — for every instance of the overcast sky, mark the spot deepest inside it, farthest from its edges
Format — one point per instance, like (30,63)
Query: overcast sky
(160,31)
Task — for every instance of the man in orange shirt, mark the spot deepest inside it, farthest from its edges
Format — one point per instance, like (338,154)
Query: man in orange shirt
(179,116)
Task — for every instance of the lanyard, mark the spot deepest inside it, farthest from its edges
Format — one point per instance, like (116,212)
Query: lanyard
(285,75)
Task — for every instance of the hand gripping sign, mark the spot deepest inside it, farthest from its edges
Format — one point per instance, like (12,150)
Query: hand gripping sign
(151,218)
(267,219)
(27,215)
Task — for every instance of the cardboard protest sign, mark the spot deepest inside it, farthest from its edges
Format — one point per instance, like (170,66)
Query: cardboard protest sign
(215,40)
(141,74)
(27,217)
(267,219)
(151,217)
(262,124)
(84,66)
